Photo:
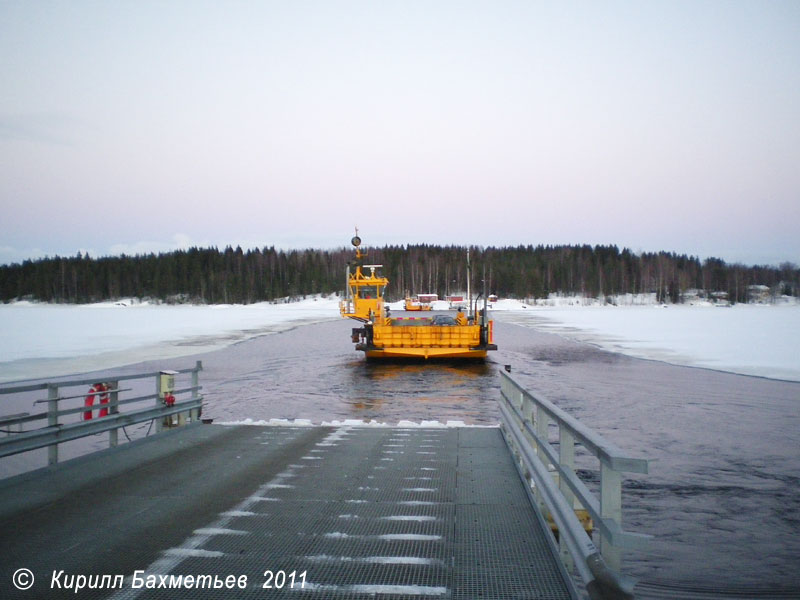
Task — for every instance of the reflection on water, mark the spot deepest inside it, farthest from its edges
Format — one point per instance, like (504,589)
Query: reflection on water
(457,371)
(431,390)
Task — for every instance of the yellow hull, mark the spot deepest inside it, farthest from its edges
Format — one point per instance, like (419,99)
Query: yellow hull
(425,353)
(424,341)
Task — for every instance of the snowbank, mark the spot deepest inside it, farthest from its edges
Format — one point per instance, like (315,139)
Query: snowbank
(752,339)
(60,339)
(403,424)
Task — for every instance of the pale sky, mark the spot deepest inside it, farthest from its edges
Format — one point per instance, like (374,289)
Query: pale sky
(146,126)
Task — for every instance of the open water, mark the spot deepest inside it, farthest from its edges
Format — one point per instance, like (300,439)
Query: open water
(721,498)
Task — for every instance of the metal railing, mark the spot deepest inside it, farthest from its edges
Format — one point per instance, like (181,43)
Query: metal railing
(558,491)
(61,424)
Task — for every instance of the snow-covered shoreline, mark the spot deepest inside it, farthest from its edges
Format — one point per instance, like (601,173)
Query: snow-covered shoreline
(749,339)
(49,340)
(53,340)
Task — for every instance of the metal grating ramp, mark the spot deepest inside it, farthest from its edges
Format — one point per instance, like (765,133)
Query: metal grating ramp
(385,513)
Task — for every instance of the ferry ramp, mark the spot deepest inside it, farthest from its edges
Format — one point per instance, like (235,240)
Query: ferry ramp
(330,512)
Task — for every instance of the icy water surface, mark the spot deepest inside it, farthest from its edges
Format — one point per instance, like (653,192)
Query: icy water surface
(722,494)
(314,373)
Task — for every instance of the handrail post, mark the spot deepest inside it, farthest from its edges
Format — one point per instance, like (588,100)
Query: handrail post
(542,423)
(540,426)
(195,413)
(52,420)
(610,508)
(159,401)
(527,409)
(113,409)
(566,458)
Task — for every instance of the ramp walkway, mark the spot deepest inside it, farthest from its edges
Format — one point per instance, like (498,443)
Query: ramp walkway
(313,512)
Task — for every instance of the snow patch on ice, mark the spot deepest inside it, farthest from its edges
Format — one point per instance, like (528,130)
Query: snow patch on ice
(271,422)
(373,589)
(219,531)
(409,537)
(403,424)
(193,553)
(391,537)
(402,560)
(336,436)
(407,590)
(377,560)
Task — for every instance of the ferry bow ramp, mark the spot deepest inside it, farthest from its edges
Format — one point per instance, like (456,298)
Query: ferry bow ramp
(283,512)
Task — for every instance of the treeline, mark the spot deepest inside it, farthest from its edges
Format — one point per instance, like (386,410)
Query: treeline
(233,275)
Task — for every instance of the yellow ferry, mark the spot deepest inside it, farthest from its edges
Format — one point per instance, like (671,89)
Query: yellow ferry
(420,302)
(440,336)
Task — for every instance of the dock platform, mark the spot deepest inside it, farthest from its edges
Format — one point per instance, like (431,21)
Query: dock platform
(326,512)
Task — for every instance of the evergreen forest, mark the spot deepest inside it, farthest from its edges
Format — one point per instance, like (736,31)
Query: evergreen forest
(213,276)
